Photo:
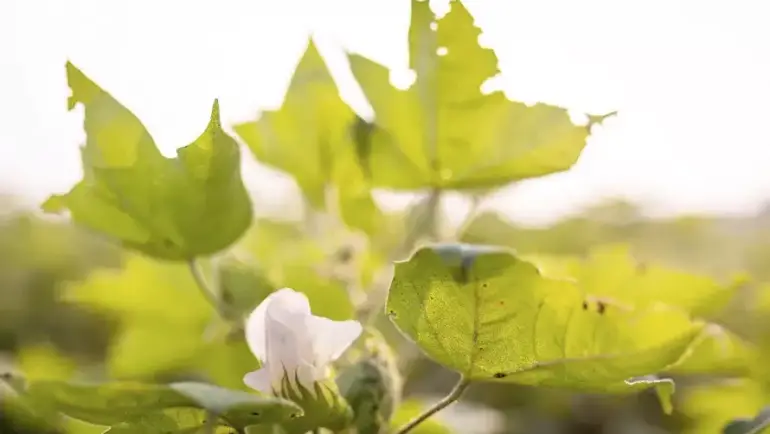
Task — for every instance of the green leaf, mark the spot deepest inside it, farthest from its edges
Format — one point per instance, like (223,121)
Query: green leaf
(711,406)
(311,138)
(491,316)
(757,425)
(409,410)
(115,403)
(287,257)
(443,132)
(176,209)
(611,272)
(160,313)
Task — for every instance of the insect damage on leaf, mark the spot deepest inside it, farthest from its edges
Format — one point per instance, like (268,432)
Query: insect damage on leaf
(443,132)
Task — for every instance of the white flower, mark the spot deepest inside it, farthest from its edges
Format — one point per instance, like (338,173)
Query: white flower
(289,340)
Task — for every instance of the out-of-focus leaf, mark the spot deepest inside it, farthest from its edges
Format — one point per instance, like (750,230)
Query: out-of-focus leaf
(712,406)
(193,205)
(409,410)
(161,313)
(490,316)
(286,257)
(718,351)
(443,132)
(311,138)
(115,403)
(611,272)
(757,425)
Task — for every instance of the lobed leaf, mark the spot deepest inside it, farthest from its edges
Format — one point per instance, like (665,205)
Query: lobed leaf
(491,316)
(443,132)
(168,208)
(311,138)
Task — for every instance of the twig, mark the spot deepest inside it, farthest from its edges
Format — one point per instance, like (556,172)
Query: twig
(453,396)
(205,289)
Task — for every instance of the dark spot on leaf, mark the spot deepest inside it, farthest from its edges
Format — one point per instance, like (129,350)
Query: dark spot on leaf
(585,305)
(500,375)
(255,414)
(601,307)
(501,303)
(294,415)
(484,285)
(392,313)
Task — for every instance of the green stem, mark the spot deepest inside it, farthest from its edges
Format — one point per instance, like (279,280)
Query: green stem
(453,396)
(204,288)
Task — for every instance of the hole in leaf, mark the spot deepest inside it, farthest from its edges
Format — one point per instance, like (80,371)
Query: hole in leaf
(442,51)
(434,26)
(402,79)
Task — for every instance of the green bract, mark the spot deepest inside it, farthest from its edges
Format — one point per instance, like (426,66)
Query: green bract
(180,208)
(311,138)
(443,132)
(126,405)
(491,316)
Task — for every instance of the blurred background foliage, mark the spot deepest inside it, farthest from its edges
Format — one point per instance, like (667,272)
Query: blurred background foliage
(75,306)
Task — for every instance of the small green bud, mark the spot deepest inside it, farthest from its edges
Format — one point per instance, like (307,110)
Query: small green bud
(372,386)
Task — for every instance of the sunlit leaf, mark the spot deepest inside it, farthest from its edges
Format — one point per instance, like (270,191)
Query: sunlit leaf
(114,403)
(311,138)
(192,205)
(490,316)
(611,272)
(443,132)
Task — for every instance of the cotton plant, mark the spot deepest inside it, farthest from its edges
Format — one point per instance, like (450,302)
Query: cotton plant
(296,350)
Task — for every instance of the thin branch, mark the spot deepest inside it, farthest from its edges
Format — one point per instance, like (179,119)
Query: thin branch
(453,396)
(204,288)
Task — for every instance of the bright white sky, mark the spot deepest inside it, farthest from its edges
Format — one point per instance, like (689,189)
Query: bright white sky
(691,79)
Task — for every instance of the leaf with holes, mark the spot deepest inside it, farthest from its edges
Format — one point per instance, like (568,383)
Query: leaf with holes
(443,132)
(491,316)
(177,209)
(311,138)
(121,404)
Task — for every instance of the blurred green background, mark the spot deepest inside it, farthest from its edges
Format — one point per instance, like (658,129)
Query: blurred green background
(73,305)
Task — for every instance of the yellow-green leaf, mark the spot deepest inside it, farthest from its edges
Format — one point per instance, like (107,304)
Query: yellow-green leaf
(611,272)
(490,316)
(311,138)
(114,403)
(180,208)
(443,132)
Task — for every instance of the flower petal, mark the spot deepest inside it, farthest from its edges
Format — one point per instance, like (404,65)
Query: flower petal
(330,338)
(259,380)
(255,324)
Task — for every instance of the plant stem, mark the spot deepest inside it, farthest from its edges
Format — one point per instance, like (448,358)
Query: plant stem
(453,396)
(204,288)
